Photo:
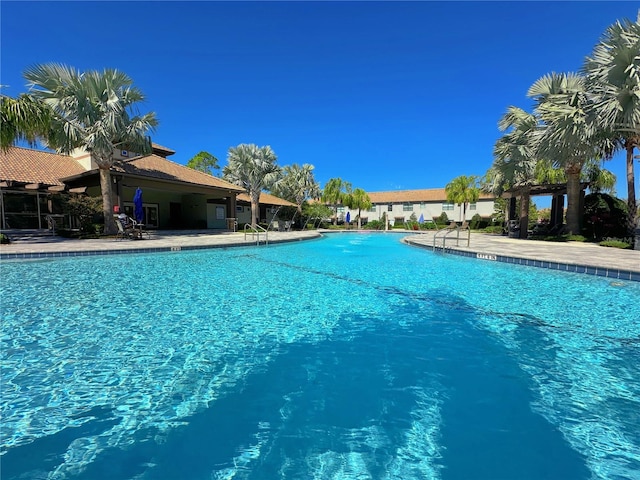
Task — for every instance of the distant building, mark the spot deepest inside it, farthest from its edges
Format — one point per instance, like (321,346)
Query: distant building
(431,203)
(174,196)
(269,206)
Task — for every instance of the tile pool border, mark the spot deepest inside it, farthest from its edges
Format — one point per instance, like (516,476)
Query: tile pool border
(551,265)
(124,251)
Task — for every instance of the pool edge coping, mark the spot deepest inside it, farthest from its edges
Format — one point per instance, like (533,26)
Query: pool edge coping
(616,273)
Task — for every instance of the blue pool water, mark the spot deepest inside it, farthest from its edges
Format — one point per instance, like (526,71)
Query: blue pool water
(350,357)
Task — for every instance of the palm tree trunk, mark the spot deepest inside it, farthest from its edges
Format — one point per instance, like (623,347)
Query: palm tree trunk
(631,191)
(525,200)
(255,208)
(573,171)
(107,201)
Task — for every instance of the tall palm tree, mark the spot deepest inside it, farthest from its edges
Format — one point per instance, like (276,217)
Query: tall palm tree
(22,118)
(358,199)
(463,190)
(613,77)
(515,160)
(297,185)
(567,135)
(255,169)
(95,111)
(334,193)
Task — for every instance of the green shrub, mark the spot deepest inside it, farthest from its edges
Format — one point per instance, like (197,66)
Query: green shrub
(4,239)
(493,229)
(604,216)
(576,238)
(478,222)
(374,225)
(615,243)
(427,226)
(443,219)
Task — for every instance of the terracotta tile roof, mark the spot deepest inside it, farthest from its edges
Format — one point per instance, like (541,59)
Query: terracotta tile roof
(154,166)
(266,199)
(36,166)
(162,149)
(414,196)
(26,165)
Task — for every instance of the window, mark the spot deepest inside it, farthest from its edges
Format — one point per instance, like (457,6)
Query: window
(472,206)
(340,209)
(372,209)
(447,207)
(390,207)
(407,207)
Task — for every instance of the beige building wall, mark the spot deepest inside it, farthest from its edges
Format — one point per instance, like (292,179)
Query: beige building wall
(429,210)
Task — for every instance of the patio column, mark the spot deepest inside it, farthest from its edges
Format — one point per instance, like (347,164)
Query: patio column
(557,212)
(512,209)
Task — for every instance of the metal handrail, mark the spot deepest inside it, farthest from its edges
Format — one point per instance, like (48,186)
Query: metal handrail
(448,231)
(256,231)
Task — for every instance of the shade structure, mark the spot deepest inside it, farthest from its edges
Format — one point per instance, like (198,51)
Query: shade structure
(421,219)
(138,211)
(348,219)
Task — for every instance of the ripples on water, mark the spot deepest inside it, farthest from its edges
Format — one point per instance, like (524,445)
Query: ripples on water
(354,356)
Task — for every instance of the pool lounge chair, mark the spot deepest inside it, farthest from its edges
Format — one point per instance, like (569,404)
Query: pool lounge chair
(125,231)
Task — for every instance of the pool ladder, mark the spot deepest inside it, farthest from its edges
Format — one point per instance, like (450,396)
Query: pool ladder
(255,232)
(453,227)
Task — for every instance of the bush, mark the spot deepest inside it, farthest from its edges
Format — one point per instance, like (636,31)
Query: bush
(4,239)
(478,223)
(374,225)
(615,243)
(443,219)
(493,229)
(428,226)
(604,216)
(88,210)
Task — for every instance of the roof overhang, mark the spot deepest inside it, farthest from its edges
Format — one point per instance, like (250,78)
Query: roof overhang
(543,189)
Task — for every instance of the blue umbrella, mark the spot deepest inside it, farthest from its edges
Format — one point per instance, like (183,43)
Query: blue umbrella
(348,217)
(138,212)
(421,219)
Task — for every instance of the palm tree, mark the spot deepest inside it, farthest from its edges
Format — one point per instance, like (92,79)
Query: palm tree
(463,190)
(613,77)
(360,200)
(95,111)
(253,168)
(22,118)
(566,136)
(297,185)
(515,160)
(334,194)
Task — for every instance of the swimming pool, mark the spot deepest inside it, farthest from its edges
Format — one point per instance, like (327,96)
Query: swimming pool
(353,356)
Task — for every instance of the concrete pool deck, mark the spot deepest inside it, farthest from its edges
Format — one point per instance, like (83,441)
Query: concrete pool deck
(570,256)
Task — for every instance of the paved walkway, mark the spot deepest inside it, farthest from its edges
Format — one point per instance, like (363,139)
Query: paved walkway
(157,241)
(573,256)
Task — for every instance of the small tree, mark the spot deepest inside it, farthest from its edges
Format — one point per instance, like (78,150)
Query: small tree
(358,199)
(316,212)
(204,162)
(334,194)
(463,190)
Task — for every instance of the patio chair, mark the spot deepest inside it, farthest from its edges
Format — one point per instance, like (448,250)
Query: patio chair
(124,231)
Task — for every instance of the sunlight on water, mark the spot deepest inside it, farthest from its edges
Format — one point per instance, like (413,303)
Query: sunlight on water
(354,356)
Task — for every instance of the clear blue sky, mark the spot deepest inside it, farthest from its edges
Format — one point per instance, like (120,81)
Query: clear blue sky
(385,95)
